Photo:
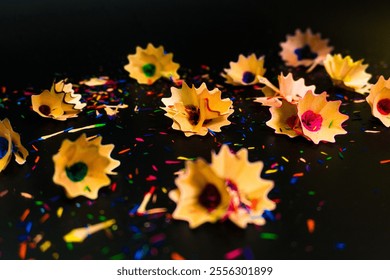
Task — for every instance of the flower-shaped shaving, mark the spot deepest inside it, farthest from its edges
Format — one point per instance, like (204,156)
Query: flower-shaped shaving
(305,49)
(82,166)
(320,119)
(289,89)
(201,196)
(379,100)
(195,111)
(246,71)
(10,144)
(248,191)
(348,74)
(150,64)
(285,120)
(228,188)
(312,117)
(60,102)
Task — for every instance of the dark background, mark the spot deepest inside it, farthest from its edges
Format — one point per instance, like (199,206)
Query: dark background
(344,188)
(42,38)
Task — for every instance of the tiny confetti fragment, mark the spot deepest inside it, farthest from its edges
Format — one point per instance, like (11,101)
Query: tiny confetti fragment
(310,225)
(234,254)
(80,234)
(268,235)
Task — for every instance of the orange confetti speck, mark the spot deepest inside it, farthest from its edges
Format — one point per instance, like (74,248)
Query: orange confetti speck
(298,174)
(384,161)
(26,195)
(123,151)
(177,256)
(3,193)
(44,218)
(24,215)
(23,250)
(311,224)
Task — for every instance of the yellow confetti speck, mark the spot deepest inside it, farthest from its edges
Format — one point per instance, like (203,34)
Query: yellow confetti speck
(45,246)
(80,234)
(183,158)
(59,212)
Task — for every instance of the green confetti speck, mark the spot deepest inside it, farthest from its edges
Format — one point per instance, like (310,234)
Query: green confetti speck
(119,256)
(100,124)
(69,246)
(105,250)
(268,235)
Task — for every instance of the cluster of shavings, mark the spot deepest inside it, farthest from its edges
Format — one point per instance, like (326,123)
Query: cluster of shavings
(230,187)
(297,111)
(323,121)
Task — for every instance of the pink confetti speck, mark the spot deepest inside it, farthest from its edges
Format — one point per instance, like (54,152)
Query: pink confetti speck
(172,162)
(157,238)
(233,254)
(151,178)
